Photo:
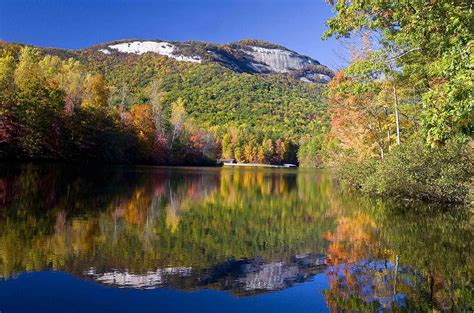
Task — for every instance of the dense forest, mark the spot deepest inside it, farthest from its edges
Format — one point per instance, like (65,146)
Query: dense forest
(65,105)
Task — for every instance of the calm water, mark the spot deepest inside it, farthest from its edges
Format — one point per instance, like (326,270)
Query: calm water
(135,239)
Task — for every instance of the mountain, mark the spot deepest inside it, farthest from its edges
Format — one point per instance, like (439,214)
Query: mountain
(249,83)
(245,56)
(239,277)
(258,101)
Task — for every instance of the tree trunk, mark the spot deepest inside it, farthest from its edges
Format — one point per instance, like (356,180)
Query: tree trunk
(395,278)
(397,120)
(389,141)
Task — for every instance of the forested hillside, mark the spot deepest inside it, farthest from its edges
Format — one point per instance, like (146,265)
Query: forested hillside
(148,108)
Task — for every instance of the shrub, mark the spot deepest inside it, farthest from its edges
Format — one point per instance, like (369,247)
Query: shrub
(416,171)
(355,172)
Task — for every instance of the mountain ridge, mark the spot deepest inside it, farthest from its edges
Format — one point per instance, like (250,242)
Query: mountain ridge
(243,56)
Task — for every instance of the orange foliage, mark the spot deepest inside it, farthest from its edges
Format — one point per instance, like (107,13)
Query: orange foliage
(357,123)
(153,146)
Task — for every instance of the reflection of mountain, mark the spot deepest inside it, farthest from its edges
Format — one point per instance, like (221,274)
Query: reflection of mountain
(243,277)
(279,275)
(149,280)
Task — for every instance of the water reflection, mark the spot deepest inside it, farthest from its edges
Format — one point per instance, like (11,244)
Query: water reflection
(244,231)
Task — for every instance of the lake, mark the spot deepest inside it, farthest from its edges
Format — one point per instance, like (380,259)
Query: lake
(133,239)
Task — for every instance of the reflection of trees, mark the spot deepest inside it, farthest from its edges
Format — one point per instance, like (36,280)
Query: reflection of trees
(256,223)
(143,219)
(253,214)
(437,243)
(384,256)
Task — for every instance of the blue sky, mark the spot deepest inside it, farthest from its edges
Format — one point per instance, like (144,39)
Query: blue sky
(73,24)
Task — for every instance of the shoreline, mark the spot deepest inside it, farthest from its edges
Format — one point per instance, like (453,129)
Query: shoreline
(258,165)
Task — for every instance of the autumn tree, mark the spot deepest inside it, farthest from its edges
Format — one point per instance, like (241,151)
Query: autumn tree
(96,92)
(178,119)
(8,125)
(39,106)
(71,80)
(142,122)
(28,75)
(7,78)
(157,107)
(357,121)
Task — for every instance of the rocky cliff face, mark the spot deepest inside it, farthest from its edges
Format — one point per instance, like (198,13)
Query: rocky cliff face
(247,56)
(277,60)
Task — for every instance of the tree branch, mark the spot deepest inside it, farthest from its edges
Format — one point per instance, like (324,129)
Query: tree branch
(404,53)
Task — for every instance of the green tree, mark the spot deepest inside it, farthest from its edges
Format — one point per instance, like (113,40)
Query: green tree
(7,78)
(432,42)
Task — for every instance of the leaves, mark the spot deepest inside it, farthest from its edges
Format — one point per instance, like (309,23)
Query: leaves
(431,46)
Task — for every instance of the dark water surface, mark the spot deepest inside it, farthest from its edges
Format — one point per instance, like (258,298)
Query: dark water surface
(135,239)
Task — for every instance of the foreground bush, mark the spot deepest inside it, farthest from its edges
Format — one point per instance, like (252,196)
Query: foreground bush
(416,171)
